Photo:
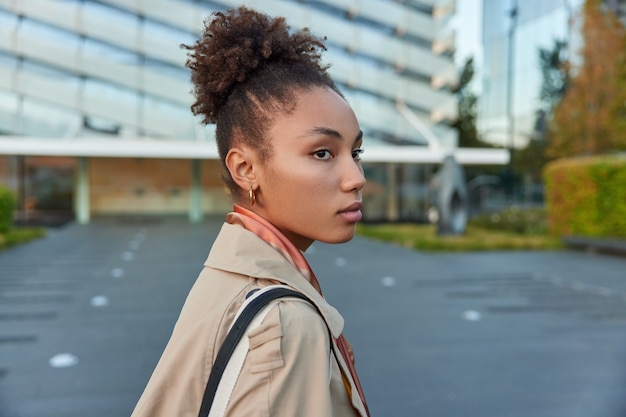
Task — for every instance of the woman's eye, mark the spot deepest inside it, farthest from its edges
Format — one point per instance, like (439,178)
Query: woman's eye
(322,154)
(356,154)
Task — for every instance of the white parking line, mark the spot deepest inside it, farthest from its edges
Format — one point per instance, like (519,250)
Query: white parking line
(388,281)
(63,360)
(99,301)
(472,315)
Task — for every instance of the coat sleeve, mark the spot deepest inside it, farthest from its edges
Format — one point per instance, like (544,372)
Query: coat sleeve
(288,369)
(177,383)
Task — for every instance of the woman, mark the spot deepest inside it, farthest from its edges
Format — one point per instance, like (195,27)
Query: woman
(291,146)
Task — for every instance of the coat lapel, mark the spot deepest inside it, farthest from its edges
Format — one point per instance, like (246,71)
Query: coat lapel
(240,251)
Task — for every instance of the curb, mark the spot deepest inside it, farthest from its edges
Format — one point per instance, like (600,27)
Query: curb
(593,245)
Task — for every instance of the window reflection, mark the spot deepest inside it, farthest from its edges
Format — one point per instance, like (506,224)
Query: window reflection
(107,61)
(8,21)
(110,14)
(51,34)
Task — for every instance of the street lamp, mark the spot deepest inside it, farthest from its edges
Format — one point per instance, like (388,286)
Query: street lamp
(510,91)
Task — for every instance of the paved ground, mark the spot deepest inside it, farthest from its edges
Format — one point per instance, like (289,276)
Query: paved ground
(85,313)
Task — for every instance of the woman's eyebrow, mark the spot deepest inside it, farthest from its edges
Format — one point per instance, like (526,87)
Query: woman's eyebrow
(327,131)
(359,137)
(324,131)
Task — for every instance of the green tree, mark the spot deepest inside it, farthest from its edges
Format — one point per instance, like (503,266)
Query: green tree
(555,75)
(530,160)
(590,119)
(465,124)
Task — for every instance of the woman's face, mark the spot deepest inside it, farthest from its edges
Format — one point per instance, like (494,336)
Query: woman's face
(311,186)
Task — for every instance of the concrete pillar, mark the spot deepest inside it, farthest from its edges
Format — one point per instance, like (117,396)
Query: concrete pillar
(81,191)
(195,192)
(392,192)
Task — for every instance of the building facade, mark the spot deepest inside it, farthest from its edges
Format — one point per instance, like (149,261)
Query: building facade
(513,33)
(94,98)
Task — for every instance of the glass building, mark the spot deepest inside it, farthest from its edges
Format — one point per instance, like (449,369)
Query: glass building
(513,33)
(94,100)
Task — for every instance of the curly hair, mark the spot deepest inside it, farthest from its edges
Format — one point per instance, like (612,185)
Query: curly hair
(246,68)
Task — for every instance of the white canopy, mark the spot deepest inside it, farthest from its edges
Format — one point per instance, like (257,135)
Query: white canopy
(155,148)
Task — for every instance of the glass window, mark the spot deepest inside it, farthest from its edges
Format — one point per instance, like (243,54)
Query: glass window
(8,107)
(418,6)
(108,52)
(45,70)
(7,61)
(112,101)
(155,105)
(110,14)
(42,119)
(50,33)
(530,10)
(158,35)
(162,68)
(8,20)
(211,5)
(495,18)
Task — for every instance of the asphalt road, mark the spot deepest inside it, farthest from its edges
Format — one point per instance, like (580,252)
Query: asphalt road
(86,312)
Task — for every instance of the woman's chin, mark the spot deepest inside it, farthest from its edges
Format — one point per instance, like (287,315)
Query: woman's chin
(339,239)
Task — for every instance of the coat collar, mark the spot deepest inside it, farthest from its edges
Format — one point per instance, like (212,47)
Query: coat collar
(240,251)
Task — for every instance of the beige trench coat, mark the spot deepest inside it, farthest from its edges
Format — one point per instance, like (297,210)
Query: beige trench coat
(289,371)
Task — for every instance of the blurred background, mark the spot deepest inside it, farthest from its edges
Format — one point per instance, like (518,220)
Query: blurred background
(95,102)
(94,99)
(95,119)
(489,125)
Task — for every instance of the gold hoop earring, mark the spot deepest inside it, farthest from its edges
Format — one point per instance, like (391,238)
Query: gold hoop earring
(251,196)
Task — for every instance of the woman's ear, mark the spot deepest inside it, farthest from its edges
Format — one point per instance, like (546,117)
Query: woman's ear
(240,163)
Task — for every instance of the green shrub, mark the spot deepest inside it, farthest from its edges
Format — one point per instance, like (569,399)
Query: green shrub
(587,196)
(513,219)
(7,207)
(424,237)
(20,235)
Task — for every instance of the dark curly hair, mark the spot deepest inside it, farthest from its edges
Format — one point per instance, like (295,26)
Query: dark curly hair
(246,68)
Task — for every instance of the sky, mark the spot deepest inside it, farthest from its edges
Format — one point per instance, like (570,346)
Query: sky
(467,24)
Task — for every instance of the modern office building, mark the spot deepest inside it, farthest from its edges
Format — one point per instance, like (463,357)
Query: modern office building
(94,101)
(513,33)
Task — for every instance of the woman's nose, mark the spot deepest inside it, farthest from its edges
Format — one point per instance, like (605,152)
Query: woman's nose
(354,178)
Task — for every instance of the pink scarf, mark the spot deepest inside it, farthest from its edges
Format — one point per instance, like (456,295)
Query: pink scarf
(270,234)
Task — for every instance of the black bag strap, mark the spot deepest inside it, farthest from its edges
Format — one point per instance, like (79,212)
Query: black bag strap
(234,335)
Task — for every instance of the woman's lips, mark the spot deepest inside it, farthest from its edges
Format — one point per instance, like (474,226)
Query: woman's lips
(352,213)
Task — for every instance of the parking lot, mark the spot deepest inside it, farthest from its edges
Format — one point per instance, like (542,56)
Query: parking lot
(86,312)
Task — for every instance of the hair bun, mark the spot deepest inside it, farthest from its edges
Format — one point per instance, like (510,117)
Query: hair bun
(235,45)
